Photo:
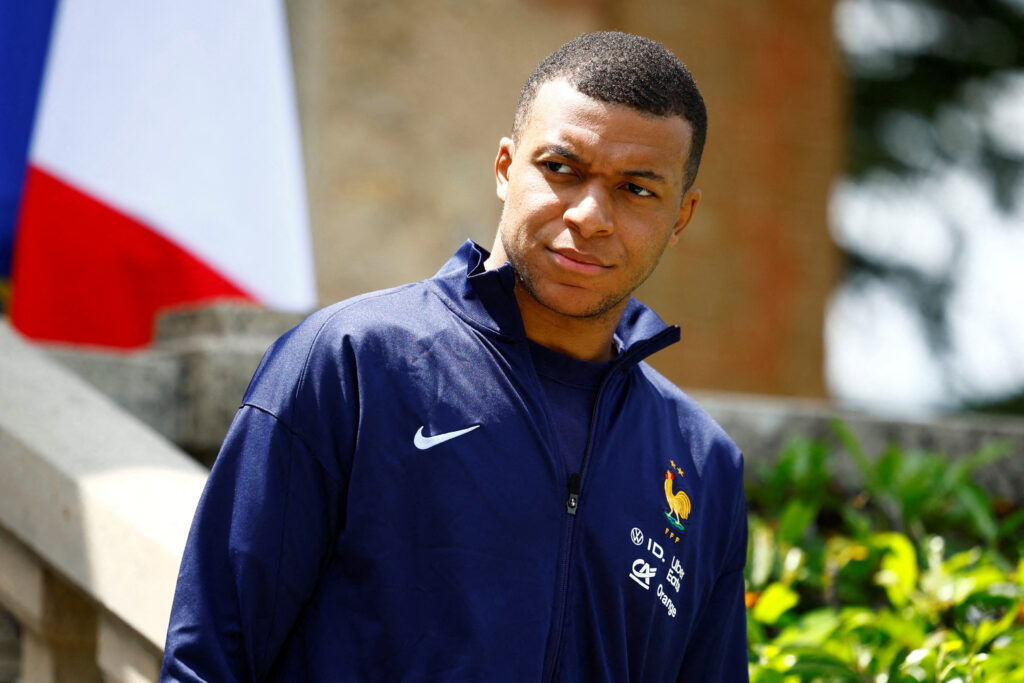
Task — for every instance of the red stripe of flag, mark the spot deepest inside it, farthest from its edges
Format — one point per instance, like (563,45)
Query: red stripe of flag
(86,273)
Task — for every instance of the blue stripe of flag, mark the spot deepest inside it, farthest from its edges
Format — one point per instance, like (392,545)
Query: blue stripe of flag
(25,28)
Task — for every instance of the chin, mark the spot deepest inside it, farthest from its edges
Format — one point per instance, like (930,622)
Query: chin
(588,305)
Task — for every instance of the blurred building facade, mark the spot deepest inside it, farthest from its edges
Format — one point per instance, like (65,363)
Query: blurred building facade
(403,103)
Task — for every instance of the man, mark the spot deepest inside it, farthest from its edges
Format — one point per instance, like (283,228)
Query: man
(476,477)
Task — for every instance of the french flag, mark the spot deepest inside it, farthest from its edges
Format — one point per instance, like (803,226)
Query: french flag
(164,168)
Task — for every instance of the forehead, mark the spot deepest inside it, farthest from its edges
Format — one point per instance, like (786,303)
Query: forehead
(608,132)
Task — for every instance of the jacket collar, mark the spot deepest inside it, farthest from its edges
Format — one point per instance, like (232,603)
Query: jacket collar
(485,299)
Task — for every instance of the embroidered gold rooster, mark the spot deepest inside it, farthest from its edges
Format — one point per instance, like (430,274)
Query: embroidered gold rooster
(678,503)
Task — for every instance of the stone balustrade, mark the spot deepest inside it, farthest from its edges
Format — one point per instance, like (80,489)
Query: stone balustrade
(95,507)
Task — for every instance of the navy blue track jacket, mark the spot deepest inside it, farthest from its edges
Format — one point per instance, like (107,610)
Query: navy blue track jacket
(389,505)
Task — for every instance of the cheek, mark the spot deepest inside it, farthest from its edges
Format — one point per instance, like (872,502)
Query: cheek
(646,240)
(531,187)
(534,203)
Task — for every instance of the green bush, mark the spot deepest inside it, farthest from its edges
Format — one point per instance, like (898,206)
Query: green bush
(913,576)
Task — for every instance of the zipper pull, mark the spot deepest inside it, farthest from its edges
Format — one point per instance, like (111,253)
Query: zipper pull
(574,494)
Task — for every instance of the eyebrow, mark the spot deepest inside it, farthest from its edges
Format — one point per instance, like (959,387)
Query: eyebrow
(571,156)
(650,175)
(563,152)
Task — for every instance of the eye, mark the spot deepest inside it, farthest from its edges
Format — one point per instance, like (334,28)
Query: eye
(639,191)
(558,167)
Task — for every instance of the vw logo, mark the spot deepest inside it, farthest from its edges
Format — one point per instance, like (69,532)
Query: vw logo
(636,536)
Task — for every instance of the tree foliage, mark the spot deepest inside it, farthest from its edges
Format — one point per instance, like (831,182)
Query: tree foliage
(927,81)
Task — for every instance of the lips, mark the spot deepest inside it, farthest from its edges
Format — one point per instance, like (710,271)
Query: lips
(577,261)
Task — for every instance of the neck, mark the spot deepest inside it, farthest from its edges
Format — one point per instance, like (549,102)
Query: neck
(588,339)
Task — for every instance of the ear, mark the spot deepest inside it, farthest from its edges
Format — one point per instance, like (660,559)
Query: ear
(506,148)
(690,200)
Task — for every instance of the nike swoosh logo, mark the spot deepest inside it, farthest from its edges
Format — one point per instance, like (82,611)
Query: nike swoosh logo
(424,442)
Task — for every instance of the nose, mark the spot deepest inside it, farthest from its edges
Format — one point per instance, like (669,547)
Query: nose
(590,214)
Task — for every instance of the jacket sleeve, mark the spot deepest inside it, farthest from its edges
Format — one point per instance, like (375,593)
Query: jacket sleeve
(718,649)
(267,522)
(263,529)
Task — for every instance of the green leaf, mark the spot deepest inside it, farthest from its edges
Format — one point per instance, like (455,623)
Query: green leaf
(979,508)
(796,516)
(888,465)
(814,629)
(823,670)
(909,633)
(853,447)
(899,572)
(958,472)
(1010,525)
(858,522)
(985,617)
(762,674)
(775,601)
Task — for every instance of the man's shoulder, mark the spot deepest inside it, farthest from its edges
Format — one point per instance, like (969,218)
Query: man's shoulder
(328,340)
(668,391)
(379,315)
(689,414)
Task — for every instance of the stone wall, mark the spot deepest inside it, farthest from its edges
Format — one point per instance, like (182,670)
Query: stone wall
(188,386)
(761,425)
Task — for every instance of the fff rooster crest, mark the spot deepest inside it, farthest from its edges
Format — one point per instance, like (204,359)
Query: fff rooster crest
(678,502)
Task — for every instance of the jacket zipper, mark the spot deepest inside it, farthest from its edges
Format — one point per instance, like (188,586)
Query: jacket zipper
(572,504)
(574,493)
(572,507)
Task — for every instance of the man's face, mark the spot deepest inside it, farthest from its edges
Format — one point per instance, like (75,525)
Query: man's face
(593,196)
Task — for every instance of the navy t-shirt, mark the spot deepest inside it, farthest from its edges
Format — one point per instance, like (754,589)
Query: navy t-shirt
(571,385)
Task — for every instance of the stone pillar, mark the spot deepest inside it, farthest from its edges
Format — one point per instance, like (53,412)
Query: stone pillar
(95,509)
(58,622)
(10,648)
(123,656)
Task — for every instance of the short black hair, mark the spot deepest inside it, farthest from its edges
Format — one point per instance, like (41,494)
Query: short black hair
(625,69)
